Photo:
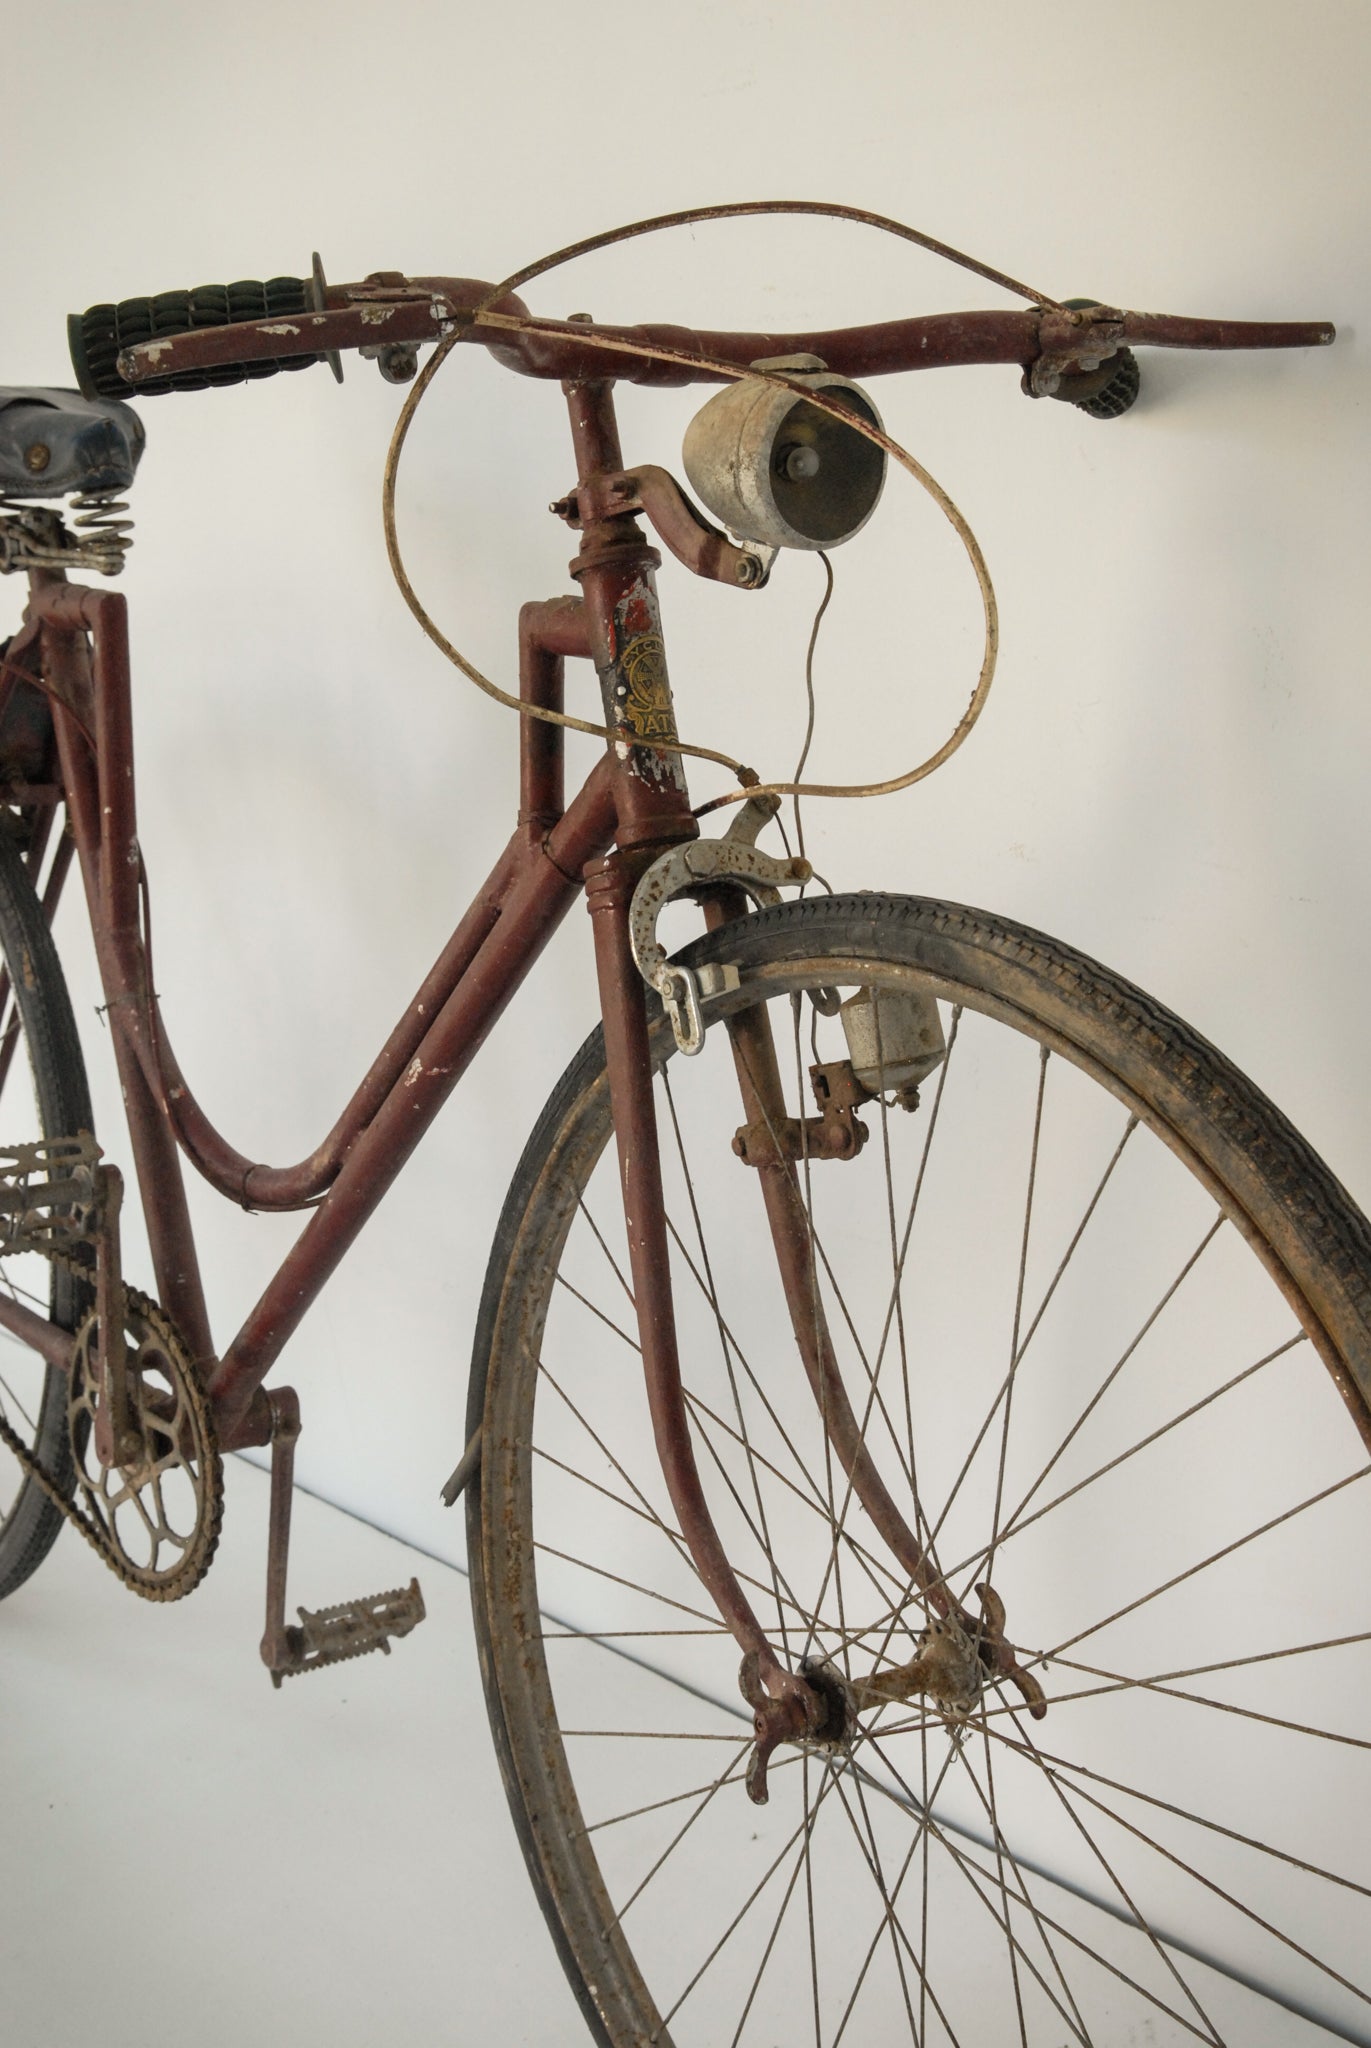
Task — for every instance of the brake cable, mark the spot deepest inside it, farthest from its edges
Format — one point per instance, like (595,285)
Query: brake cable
(484,315)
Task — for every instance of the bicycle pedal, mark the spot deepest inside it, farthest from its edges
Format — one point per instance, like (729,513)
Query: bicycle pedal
(328,1635)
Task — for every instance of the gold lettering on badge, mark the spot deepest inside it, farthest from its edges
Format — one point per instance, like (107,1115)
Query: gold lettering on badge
(647,704)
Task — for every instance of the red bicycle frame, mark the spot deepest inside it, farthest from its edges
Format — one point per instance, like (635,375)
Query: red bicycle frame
(74,648)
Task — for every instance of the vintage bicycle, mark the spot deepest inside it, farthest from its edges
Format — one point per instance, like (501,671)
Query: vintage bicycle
(914,1478)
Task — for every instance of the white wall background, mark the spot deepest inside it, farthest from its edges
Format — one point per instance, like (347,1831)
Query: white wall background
(1172,769)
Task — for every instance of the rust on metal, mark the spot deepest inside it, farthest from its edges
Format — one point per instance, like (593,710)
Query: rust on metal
(537,898)
(615,571)
(430,309)
(704,549)
(954,1658)
(790,1704)
(835,1133)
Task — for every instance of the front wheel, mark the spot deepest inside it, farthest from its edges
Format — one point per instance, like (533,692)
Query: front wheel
(1105,1323)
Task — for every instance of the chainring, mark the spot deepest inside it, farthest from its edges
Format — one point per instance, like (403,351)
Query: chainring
(156,1519)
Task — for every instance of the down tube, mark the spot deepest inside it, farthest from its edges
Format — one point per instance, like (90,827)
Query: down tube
(538,899)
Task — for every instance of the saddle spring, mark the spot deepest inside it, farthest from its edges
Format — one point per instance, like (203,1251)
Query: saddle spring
(37,536)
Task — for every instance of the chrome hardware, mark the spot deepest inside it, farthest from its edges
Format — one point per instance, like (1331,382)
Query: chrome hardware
(37,536)
(680,870)
(893,1046)
(778,471)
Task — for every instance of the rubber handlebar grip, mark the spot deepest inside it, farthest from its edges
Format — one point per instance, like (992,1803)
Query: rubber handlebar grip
(99,335)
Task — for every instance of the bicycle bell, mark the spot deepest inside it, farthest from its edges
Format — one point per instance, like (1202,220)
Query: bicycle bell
(776,470)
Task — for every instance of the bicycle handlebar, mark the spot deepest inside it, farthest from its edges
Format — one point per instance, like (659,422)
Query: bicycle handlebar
(226,333)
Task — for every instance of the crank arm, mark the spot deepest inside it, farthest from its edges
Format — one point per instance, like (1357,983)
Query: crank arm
(325,1635)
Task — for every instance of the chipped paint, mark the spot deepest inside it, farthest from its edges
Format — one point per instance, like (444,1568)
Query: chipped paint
(414,1071)
(375,316)
(637,689)
(277,327)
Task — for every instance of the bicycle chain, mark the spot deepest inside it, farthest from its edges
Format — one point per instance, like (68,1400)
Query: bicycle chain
(197,1562)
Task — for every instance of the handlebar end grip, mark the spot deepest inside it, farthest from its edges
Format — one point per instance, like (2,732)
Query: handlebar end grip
(1112,396)
(98,336)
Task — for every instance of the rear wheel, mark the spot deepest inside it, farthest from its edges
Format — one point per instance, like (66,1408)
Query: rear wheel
(43,1094)
(1106,1325)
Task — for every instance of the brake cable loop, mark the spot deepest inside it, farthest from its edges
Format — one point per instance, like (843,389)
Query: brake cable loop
(484,315)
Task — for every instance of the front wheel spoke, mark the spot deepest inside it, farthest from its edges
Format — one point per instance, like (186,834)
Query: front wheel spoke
(1215,1557)
(894,1314)
(1168,1295)
(610,1259)
(822,1506)
(599,1571)
(1230,1663)
(651,1735)
(646,1511)
(814,1502)
(921,1809)
(1015,1355)
(1015,1525)
(1198,1820)
(566,1634)
(711,1295)
(673,1536)
(595,1310)
(614,1820)
(899,1941)
(809,1911)
(771,1940)
(1018,1348)
(820,1322)
(801,1835)
(779,1589)
(1116,1881)
(1116,1681)
(630,1507)
(875,1399)
(725,1777)
(968,1863)
(986,1795)
(1209,1883)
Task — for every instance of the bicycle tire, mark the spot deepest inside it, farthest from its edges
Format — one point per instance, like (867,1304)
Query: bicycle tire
(567,1467)
(45,1095)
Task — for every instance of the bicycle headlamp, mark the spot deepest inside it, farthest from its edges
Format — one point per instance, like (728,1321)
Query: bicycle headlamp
(777,470)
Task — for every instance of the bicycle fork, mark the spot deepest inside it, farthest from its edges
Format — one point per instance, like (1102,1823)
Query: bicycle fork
(810,1704)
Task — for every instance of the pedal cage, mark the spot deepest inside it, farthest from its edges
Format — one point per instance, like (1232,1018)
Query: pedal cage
(325,1635)
(48,1196)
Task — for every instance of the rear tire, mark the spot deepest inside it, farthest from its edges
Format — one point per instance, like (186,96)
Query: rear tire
(44,1094)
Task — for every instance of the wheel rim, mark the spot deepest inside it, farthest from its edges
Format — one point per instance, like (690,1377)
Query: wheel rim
(1196,1356)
